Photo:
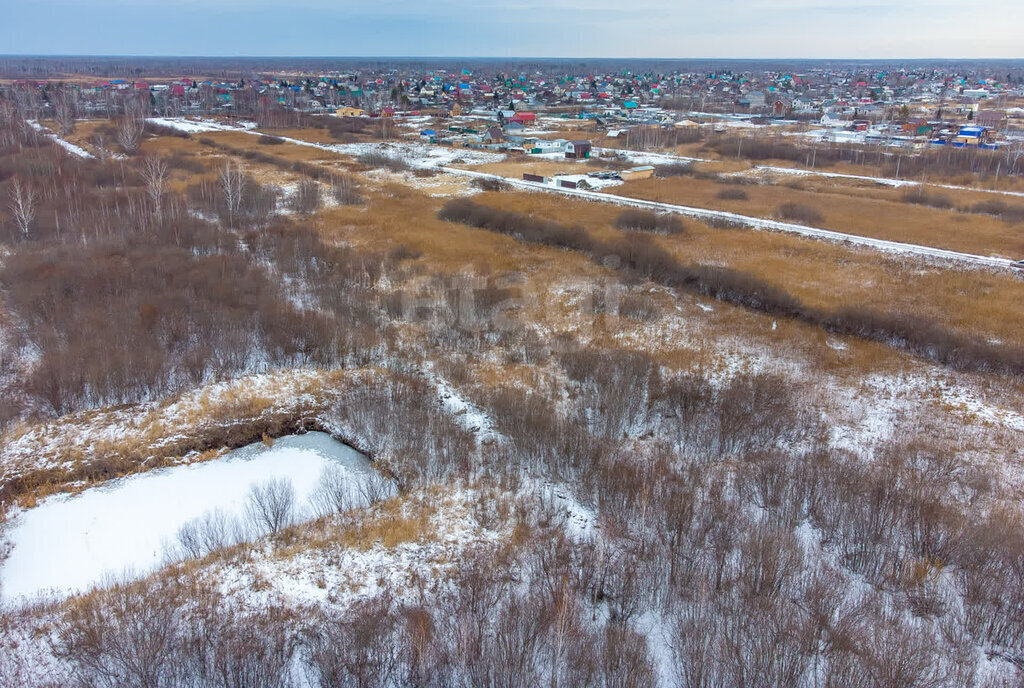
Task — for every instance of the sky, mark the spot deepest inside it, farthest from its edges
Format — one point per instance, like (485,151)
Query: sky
(525,28)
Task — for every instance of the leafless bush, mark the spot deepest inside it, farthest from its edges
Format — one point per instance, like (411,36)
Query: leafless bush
(719,222)
(345,190)
(932,200)
(343,128)
(121,638)
(306,198)
(374,487)
(638,307)
(732,194)
(798,212)
(524,226)
(211,532)
(675,169)
(270,506)
(267,140)
(359,649)
(377,159)
(335,492)
(167,635)
(487,184)
(646,220)
(610,161)
(1000,209)
(188,163)
(155,129)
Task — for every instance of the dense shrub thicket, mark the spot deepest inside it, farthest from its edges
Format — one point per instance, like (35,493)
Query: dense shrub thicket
(168,300)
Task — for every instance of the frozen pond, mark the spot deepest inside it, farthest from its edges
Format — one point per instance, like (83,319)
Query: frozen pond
(130,526)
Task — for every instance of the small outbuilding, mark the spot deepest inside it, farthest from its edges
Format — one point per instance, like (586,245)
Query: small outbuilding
(642,172)
(578,150)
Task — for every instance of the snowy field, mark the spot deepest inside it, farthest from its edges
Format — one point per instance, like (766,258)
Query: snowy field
(128,528)
(421,155)
(198,126)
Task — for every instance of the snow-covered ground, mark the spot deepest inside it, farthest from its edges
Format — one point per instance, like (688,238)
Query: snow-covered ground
(472,417)
(416,154)
(128,528)
(421,155)
(198,126)
(150,426)
(647,157)
(77,151)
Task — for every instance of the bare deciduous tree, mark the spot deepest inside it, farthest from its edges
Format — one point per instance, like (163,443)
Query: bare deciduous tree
(154,173)
(345,191)
(271,505)
(22,203)
(129,134)
(213,531)
(375,487)
(334,492)
(64,112)
(307,197)
(232,183)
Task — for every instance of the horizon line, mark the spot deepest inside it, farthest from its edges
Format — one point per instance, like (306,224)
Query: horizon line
(498,57)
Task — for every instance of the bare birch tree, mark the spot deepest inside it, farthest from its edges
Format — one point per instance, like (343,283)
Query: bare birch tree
(22,204)
(129,134)
(232,183)
(64,112)
(99,145)
(154,173)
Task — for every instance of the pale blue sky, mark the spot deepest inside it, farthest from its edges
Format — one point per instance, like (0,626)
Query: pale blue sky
(534,28)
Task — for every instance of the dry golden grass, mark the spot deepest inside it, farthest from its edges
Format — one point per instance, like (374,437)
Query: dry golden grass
(864,215)
(822,274)
(289,151)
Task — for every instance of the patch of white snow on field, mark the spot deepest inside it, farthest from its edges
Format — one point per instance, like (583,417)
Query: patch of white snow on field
(578,521)
(198,126)
(968,403)
(418,154)
(473,418)
(77,151)
(71,544)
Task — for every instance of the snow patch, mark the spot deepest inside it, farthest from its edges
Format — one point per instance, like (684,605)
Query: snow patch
(124,529)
